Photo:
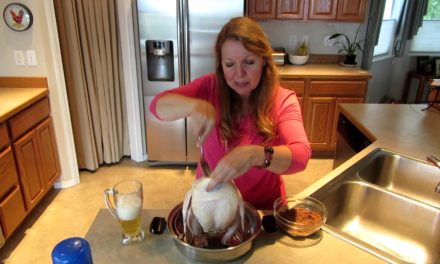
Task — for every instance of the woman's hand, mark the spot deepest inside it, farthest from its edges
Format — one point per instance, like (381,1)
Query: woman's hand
(235,163)
(202,118)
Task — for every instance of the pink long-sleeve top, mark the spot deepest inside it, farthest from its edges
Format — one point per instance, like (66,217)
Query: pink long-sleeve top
(259,187)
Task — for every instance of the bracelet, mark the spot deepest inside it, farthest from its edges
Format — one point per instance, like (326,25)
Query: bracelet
(268,155)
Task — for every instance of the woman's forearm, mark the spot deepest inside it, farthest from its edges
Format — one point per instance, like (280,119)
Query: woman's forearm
(171,107)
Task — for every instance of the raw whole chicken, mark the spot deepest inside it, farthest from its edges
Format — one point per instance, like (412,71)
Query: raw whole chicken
(218,211)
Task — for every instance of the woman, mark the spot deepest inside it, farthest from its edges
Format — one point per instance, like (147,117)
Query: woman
(252,129)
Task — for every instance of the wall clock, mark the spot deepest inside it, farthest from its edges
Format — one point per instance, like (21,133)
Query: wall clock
(18,17)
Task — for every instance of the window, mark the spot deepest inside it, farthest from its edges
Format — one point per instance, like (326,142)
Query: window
(426,40)
(390,17)
(386,37)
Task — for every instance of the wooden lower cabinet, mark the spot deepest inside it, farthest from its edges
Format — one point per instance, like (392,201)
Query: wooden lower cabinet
(12,209)
(29,163)
(37,162)
(319,104)
(50,162)
(298,87)
(318,122)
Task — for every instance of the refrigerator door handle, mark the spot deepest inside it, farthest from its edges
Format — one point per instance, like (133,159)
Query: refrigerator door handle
(186,38)
(181,41)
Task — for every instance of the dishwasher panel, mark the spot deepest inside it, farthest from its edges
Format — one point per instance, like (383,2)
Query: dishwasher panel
(349,142)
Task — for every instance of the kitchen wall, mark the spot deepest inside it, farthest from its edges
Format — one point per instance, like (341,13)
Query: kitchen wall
(280,33)
(31,39)
(388,74)
(42,38)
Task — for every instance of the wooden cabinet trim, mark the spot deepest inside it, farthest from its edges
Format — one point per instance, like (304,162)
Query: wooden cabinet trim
(4,136)
(29,118)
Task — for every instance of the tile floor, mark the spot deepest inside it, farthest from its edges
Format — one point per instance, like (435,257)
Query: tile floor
(70,212)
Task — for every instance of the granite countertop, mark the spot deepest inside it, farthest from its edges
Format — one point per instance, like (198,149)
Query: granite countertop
(316,70)
(13,100)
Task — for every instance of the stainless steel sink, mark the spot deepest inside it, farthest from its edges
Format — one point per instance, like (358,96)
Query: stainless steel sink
(403,175)
(386,204)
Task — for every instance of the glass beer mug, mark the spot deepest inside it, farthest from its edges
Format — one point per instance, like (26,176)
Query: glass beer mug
(127,209)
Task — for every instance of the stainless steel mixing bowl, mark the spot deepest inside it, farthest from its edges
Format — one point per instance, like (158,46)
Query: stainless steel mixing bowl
(242,239)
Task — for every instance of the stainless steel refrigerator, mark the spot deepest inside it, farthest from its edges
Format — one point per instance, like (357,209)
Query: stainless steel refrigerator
(177,39)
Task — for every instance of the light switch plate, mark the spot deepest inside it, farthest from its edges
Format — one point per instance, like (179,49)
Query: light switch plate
(31,58)
(19,58)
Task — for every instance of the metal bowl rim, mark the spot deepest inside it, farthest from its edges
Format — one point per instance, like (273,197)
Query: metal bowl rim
(254,212)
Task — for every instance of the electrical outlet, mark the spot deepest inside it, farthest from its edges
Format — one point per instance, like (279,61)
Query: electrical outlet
(31,58)
(19,58)
(328,42)
(305,38)
(292,41)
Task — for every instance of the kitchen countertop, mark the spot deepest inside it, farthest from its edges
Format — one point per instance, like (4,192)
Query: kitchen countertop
(398,127)
(104,238)
(316,70)
(403,128)
(13,100)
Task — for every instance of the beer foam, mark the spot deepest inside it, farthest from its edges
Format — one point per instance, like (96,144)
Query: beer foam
(128,208)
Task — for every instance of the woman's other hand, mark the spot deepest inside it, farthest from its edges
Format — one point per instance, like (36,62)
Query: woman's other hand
(235,163)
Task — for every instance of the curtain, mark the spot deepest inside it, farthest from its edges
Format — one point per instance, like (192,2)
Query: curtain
(92,64)
(373,29)
(410,20)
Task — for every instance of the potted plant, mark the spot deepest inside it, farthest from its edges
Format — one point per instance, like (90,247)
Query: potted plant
(348,47)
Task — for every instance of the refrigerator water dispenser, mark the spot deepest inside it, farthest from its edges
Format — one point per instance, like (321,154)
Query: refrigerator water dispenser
(160,60)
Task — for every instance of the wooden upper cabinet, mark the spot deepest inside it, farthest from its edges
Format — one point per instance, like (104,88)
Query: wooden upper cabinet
(276,9)
(262,9)
(290,9)
(337,10)
(322,9)
(351,10)
(329,10)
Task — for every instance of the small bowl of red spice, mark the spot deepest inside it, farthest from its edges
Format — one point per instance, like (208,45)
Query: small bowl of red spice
(299,216)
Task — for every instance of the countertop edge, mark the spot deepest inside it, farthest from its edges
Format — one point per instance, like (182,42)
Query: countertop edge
(22,105)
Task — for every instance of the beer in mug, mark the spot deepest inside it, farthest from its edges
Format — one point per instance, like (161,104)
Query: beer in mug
(127,209)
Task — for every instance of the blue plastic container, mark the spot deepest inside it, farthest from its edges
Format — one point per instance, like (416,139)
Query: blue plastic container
(74,250)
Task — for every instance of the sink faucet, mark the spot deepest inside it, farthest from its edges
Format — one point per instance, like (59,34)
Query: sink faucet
(436,162)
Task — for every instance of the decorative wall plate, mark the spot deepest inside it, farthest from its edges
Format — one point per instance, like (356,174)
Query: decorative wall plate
(18,17)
